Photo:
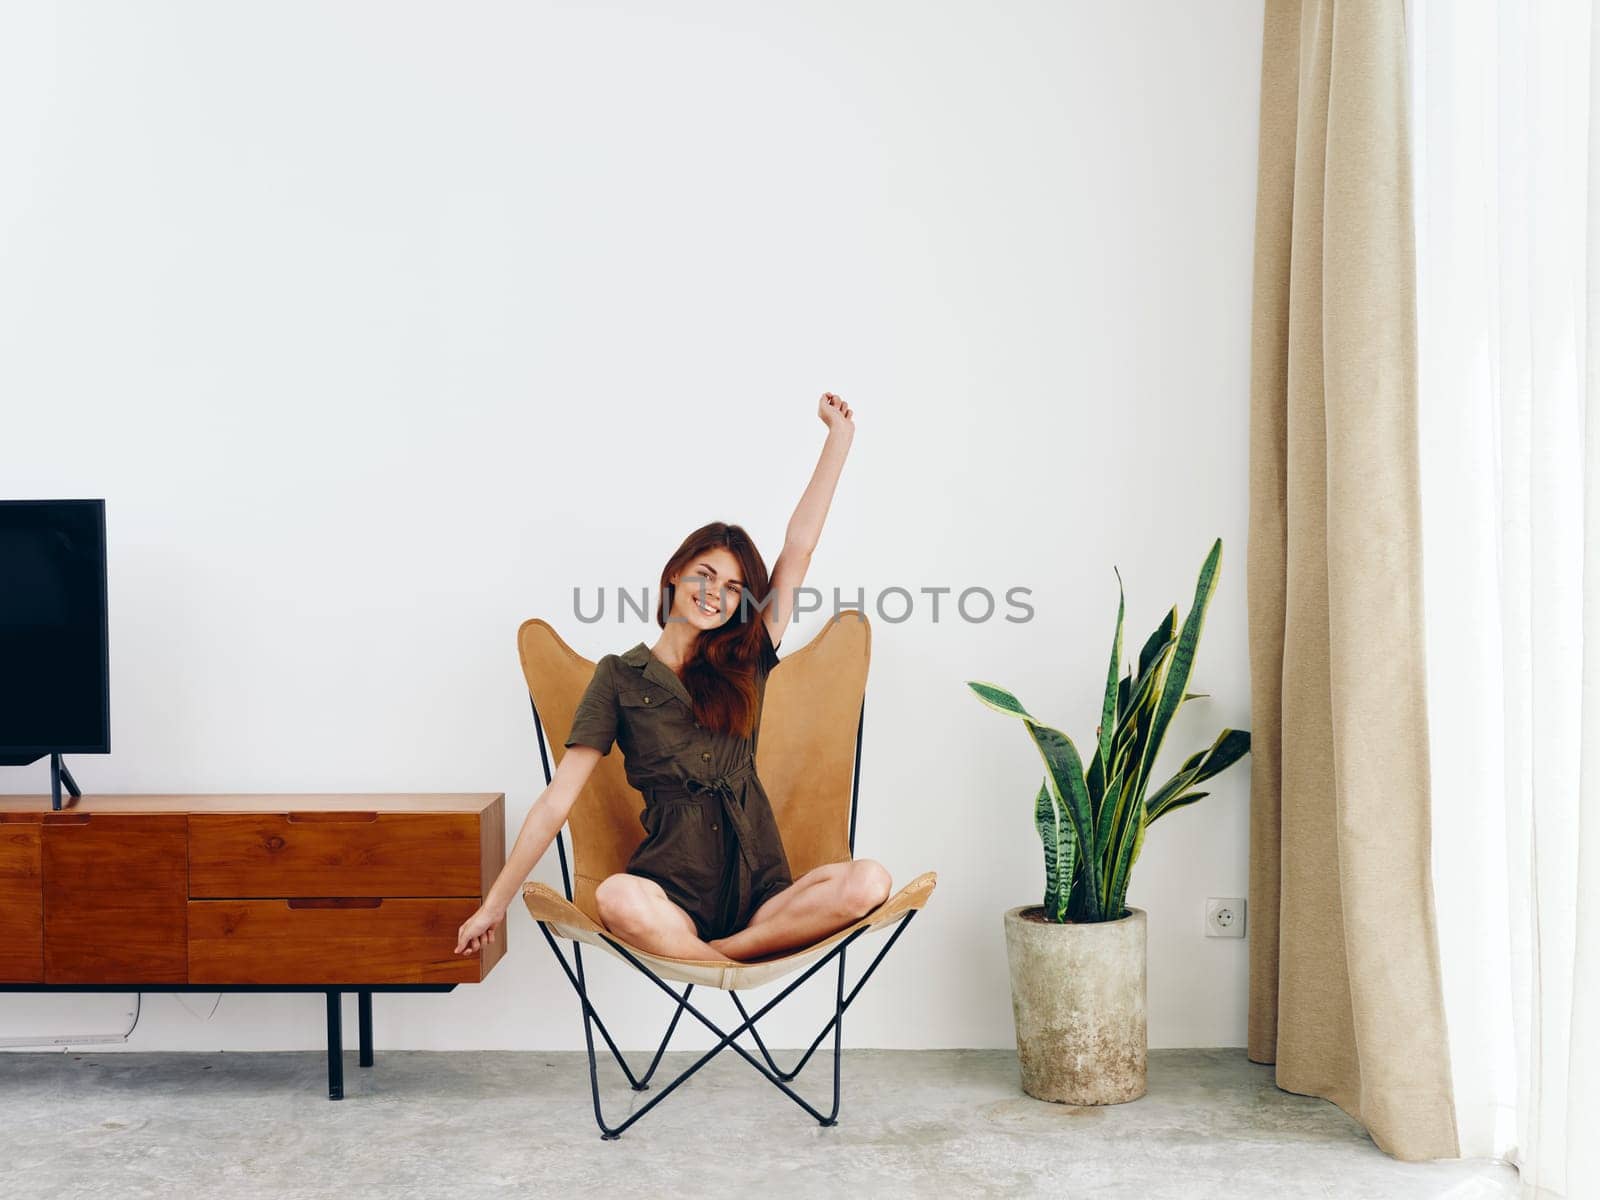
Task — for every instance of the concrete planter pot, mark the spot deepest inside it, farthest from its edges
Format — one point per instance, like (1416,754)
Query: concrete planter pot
(1078,996)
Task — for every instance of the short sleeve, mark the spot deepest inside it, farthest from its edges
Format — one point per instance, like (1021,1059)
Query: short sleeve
(768,658)
(595,723)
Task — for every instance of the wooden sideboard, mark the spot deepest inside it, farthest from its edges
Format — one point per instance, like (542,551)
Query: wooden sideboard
(328,893)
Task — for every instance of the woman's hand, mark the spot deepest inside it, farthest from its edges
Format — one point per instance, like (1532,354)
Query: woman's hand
(836,414)
(477,930)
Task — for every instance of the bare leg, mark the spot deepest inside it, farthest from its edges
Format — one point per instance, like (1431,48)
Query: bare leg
(637,910)
(822,901)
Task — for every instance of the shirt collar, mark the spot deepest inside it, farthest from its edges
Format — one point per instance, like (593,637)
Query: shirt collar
(640,658)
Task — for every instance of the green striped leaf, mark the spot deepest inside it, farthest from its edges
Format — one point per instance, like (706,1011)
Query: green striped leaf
(1066,772)
(1164,633)
(1044,819)
(1138,841)
(1111,814)
(1182,662)
(1117,890)
(1105,820)
(1108,707)
(1146,692)
(1156,804)
(1182,801)
(1066,866)
(997,698)
(1231,745)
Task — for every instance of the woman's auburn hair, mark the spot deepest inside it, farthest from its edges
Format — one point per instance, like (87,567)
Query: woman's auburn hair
(720,672)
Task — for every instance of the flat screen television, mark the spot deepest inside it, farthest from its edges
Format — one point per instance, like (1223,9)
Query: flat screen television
(55,693)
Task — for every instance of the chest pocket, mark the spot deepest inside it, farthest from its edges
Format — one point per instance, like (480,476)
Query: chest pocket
(655,719)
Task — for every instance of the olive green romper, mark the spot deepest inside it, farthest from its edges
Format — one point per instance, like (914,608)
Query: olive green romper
(711,840)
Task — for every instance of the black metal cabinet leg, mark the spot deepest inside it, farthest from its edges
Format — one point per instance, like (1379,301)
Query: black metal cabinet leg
(364,1008)
(335,1048)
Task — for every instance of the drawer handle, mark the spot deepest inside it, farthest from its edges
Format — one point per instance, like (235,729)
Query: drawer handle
(332,817)
(336,902)
(66,818)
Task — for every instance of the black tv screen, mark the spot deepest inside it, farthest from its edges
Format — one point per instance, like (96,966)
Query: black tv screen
(54,645)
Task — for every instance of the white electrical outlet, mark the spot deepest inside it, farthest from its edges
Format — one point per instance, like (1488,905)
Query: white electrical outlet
(1225,917)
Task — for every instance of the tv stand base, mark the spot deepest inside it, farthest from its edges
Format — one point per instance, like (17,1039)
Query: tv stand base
(59,775)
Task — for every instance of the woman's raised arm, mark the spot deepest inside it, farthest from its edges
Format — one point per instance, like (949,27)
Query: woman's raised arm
(805,526)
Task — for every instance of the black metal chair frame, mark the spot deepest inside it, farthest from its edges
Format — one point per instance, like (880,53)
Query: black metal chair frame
(775,1075)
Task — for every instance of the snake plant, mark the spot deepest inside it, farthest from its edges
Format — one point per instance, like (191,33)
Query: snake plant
(1093,822)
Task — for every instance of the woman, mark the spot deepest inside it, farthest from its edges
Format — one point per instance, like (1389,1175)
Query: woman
(710,881)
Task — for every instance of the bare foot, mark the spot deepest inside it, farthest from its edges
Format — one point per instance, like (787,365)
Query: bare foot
(719,944)
(693,949)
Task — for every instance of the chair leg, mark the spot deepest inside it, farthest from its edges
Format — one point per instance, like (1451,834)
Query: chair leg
(727,1039)
(786,1076)
(838,1033)
(838,1042)
(823,1033)
(644,1080)
(589,1014)
(789,1076)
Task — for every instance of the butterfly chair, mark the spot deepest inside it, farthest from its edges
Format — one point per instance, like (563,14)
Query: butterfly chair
(809,760)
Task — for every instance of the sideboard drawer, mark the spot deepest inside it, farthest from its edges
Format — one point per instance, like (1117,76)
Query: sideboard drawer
(347,940)
(274,855)
(113,897)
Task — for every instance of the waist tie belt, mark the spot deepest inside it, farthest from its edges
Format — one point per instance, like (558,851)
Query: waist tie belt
(720,790)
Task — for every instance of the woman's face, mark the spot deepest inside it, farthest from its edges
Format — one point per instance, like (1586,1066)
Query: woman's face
(708,590)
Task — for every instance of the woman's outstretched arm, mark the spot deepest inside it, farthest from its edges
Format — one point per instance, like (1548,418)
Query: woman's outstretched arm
(805,526)
(544,820)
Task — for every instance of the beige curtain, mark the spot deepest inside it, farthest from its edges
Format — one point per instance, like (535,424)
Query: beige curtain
(1344,965)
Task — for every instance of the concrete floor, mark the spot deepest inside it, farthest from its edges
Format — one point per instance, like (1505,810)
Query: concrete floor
(465,1125)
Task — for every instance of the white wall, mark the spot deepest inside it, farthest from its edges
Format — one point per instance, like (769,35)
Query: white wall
(381,327)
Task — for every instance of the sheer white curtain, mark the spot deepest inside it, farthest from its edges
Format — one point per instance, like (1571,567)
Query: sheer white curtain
(1508,215)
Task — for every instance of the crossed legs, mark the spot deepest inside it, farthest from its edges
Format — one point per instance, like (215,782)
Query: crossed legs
(639,911)
(822,901)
